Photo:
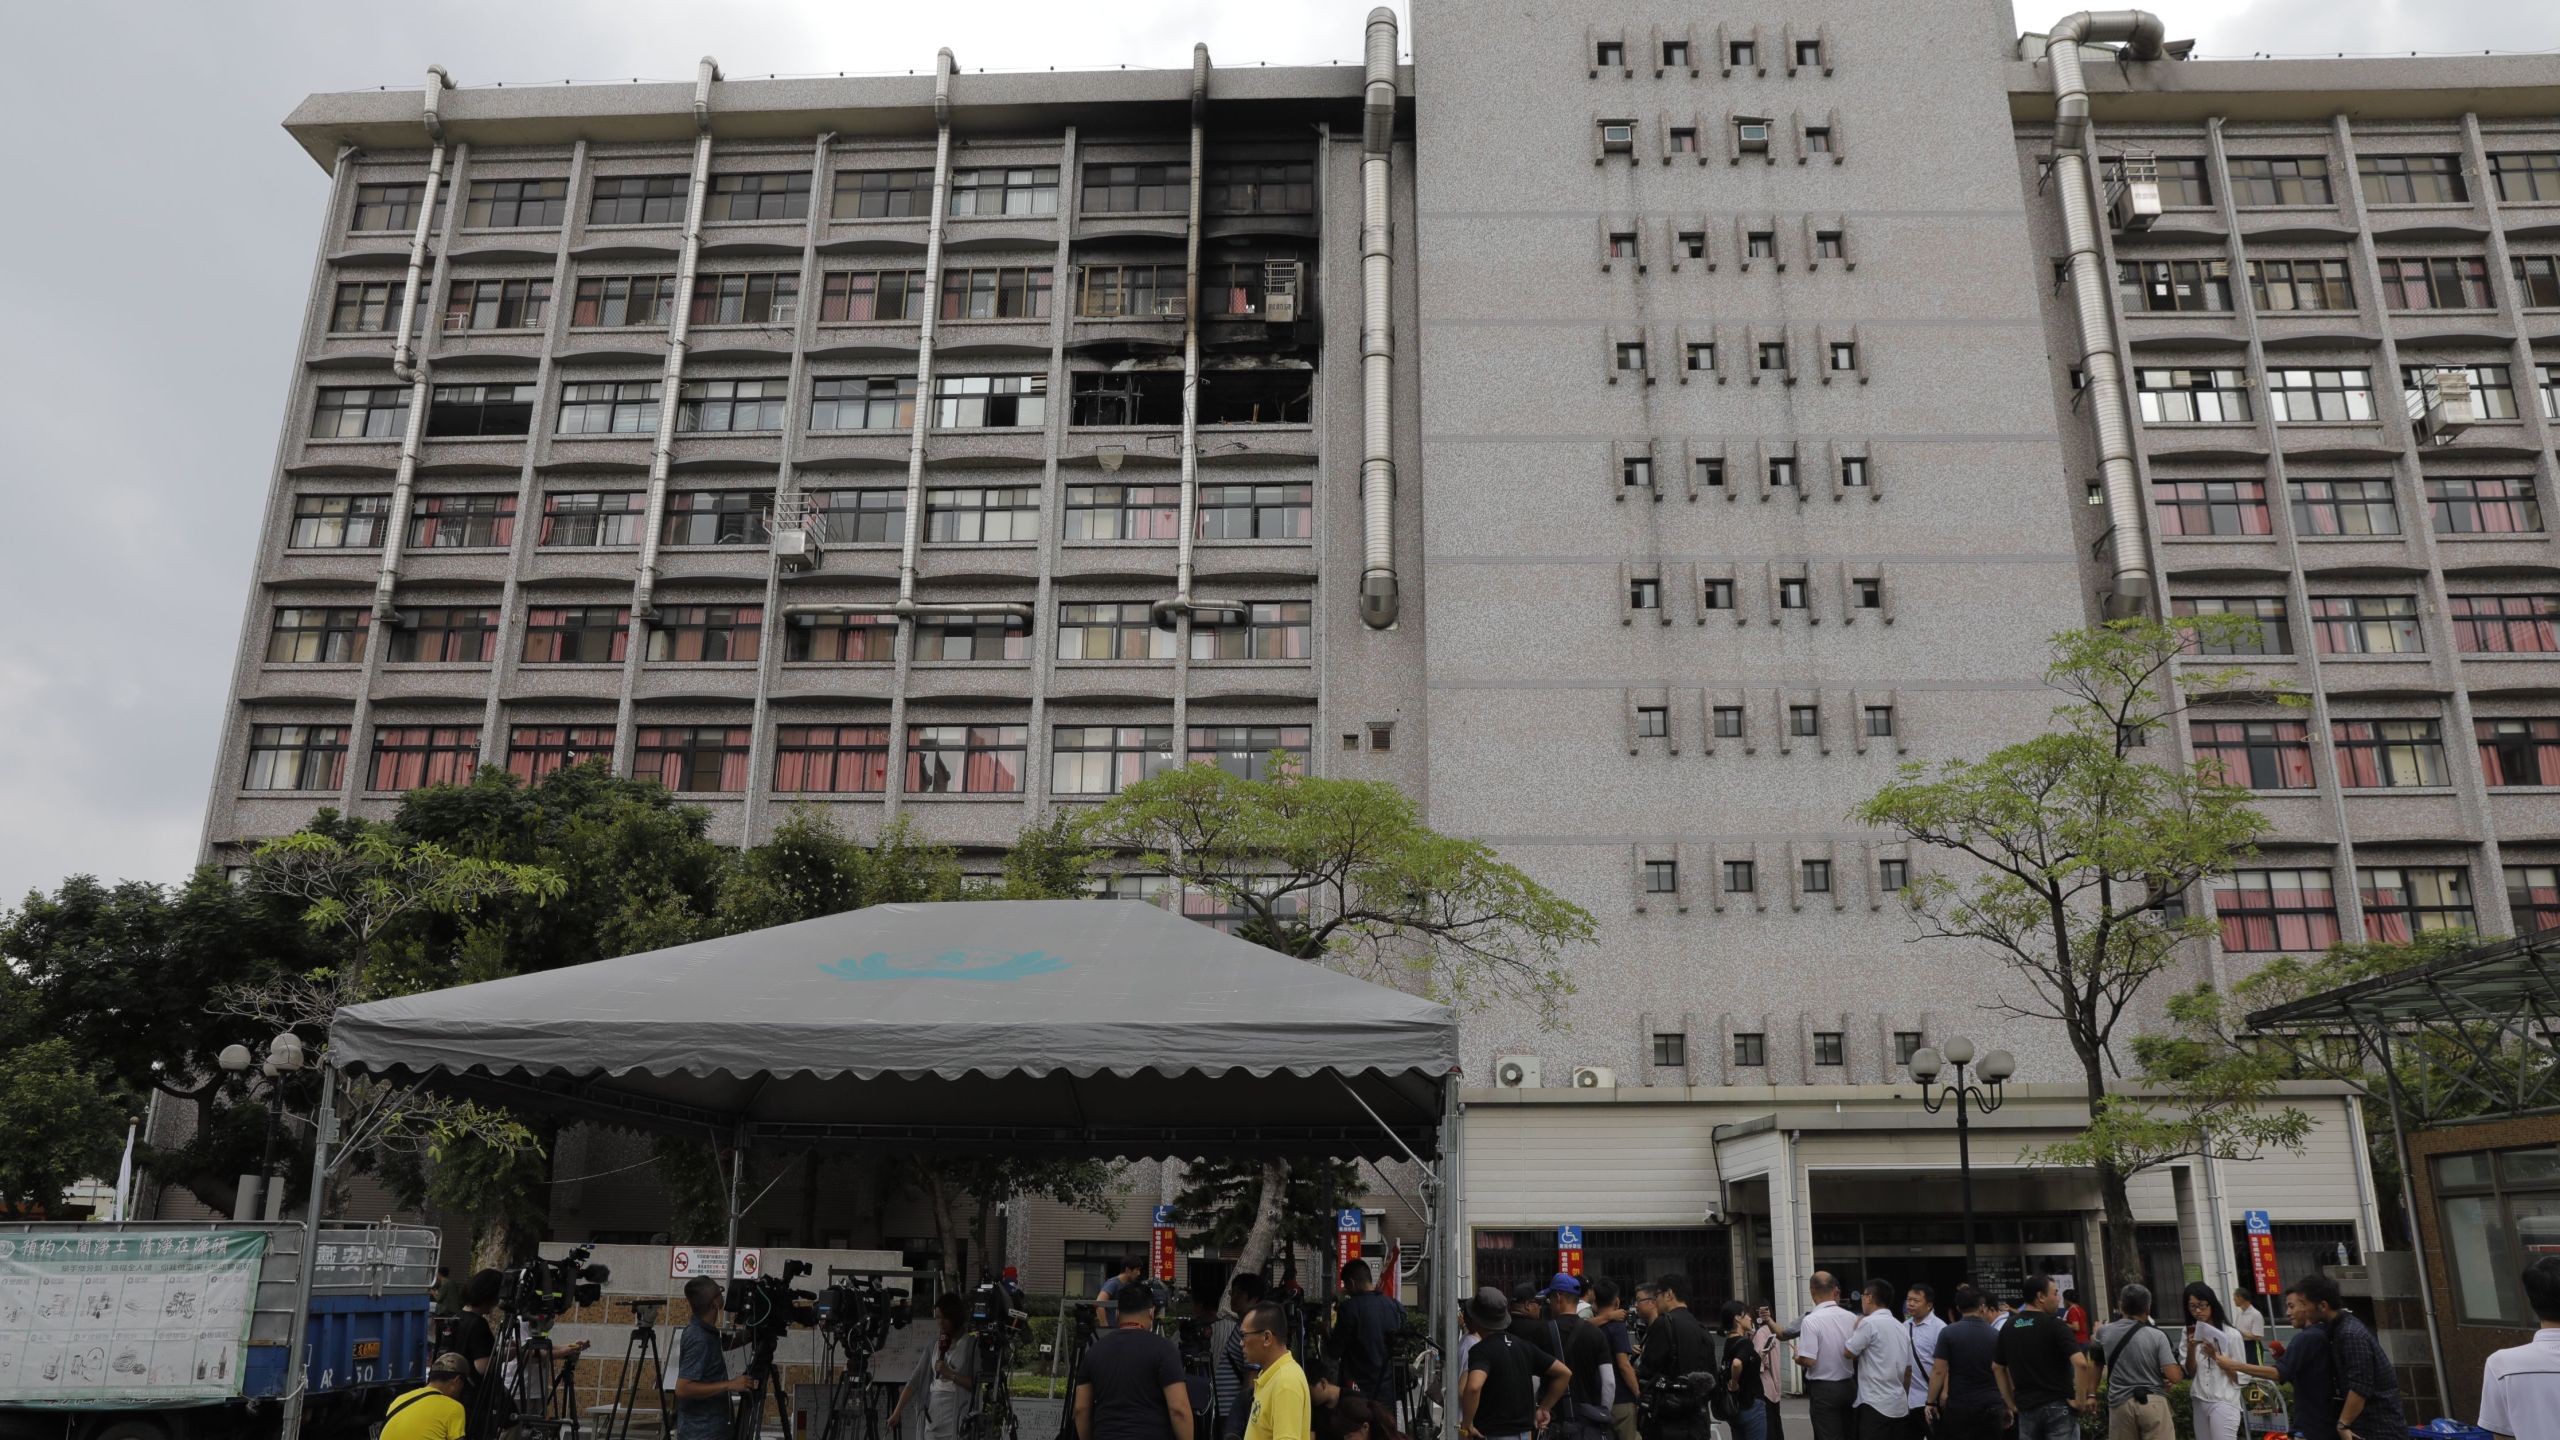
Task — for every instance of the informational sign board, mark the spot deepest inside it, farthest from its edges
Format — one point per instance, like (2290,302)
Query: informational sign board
(126,1320)
(1348,1226)
(1161,1247)
(1569,1250)
(2262,1252)
(684,1262)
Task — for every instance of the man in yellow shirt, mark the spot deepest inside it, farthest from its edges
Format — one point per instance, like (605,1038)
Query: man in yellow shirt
(433,1411)
(1282,1408)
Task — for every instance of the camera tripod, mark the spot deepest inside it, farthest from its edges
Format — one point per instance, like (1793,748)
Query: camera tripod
(640,1357)
(521,1390)
(748,1422)
(853,1392)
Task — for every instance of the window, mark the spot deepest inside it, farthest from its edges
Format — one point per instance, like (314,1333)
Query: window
(2280,285)
(1636,472)
(2528,178)
(462,522)
(2533,895)
(1751,137)
(1750,1048)
(1246,751)
(1773,355)
(366,306)
(2295,181)
(576,634)
(1809,54)
(1728,721)
(1708,473)
(465,410)
(2255,754)
(1814,876)
(1878,720)
(989,402)
(2174,284)
(2504,624)
(831,759)
(580,519)
(1630,355)
(638,200)
(841,638)
(702,759)
(1675,56)
(2272,637)
(966,759)
(2183,184)
(1652,721)
(2493,388)
(1760,245)
(2546,383)
(1617,137)
(1112,631)
(361,412)
(706,633)
(1142,397)
(1670,1049)
(2388,754)
(1684,140)
(516,204)
(1782,472)
(1844,356)
(1715,594)
(2366,625)
(982,514)
(2276,910)
(410,757)
(609,407)
(1119,188)
(1853,472)
(2188,508)
(972,637)
(2443,282)
(393,206)
(296,757)
(766,298)
(879,402)
(2537,280)
(2508,1217)
(2412,180)
(1804,720)
(1113,291)
(617,301)
(496,304)
(1270,630)
(1792,594)
(713,406)
(1892,875)
(1830,1048)
(1106,759)
(1661,877)
(849,295)
(1699,355)
(2484,506)
(1259,187)
(996,293)
(318,634)
(534,751)
(2344,507)
(2191,396)
(1123,512)
(781,195)
(1742,54)
(1256,512)
(1644,594)
(1906,1043)
(1087,1263)
(445,635)
(1817,139)
(1622,245)
(1005,190)
(881,194)
(2402,902)
(2519,752)
(337,522)
(2331,395)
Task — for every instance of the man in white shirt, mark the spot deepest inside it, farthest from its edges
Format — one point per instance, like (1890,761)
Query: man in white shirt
(2520,1387)
(1822,1352)
(1921,1323)
(2251,1322)
(1883,1352)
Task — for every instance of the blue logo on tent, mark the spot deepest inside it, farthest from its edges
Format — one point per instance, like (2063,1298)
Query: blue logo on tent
(945,965)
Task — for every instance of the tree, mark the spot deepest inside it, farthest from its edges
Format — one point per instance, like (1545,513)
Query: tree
(2080,854)
(1344,872)
(1225,1201)
(62,1124)
(809,868)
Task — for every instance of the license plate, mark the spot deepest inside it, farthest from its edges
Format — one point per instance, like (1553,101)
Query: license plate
(368,1349)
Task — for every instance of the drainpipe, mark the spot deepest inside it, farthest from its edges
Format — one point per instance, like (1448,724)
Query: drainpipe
(1182,603)
(2131,590)
(1377,346)
(943,67)
(404,364)
(679,325)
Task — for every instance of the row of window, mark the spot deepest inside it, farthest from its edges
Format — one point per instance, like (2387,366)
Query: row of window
(2521,177)
(960,402)
(2411,283)
(1748,135)
(1769,357)
(2387,624)
(1228,187)
(808,759)
(1730,722)
(1751,1048)
(2456,505)
(2290,910)
(1780,472)
(2215,395)
(1742,877)
(1744,54)
(1793,592)
(468,634)
(953,515)
(1829,243)
(2375,754)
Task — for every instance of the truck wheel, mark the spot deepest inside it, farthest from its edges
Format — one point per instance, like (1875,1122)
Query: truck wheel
(133,1427)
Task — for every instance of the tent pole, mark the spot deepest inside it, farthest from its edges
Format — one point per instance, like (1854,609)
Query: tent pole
(1448,1279)
(737,1190)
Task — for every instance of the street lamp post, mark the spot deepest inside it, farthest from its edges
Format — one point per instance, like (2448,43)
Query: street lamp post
(284,1056)
(1994,1072)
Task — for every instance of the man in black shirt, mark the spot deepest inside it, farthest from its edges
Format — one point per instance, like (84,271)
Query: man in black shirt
(1133,1387)
(1502,1398)
(1677,1345)
(2038,1366)
(1964,1391)
(1594,1388)
(1364,1326)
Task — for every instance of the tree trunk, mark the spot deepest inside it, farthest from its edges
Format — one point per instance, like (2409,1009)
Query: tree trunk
(2123,1250)
(945,1202)
(1264,1237)
(495,1247)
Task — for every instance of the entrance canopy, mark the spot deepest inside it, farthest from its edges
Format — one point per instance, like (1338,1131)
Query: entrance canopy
(1054,1027)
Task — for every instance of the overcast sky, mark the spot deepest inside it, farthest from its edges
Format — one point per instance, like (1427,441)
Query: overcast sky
(152,277)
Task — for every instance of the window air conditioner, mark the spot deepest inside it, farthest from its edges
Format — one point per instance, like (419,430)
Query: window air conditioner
(2137,204)
(2448,406)
(1594,1077)
(1515,1072)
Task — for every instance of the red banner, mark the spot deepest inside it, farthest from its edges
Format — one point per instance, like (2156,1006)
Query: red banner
(1347,1228)
(1161,1248)
(2262,1252)
(1569,1250)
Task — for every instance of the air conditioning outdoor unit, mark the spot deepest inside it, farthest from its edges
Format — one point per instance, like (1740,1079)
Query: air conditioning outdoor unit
(2136,202)
(799,530)
(2443,407)
(1594,1077)
(1515,1072)
(1751,136)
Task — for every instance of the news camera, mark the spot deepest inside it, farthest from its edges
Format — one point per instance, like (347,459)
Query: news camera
(540,1289)
(858,1314)
(766,1306)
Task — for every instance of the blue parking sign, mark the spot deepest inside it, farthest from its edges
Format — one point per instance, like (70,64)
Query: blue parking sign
(1568,1237)
(1349,1222)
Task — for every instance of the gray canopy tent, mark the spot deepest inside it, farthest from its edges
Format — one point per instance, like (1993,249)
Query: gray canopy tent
(1094,1028)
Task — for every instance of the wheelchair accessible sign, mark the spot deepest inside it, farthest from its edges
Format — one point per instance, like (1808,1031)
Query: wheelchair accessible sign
(1569,1250)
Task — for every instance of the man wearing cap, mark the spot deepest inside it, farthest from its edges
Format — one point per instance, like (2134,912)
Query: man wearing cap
(434,1410)
(1584,1349)
(1502,1398)
(1560,1302)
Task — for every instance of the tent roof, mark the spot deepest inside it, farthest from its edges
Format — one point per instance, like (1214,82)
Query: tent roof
(1100,1027)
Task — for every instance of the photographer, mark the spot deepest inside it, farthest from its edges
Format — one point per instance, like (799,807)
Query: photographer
(1133,1387)
(703,1386)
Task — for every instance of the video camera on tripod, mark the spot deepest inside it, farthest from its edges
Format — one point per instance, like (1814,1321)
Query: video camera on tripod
(766,1307)
(539,1289)
(857,1314)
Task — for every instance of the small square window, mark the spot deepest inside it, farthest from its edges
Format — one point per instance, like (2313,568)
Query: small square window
(1870,594)
(1750,1047)
(1773,354)
(1644,595)
(1892,875)
(2133,737)
(1827,245)
(1906,1043)
(1710,473)
(1830,1048)
(2096,494)
(1804,720)
(1631,355)
(1351,742)
(1782,471)
(1617,136)
(2173,910)
(1853,472)
(1715,595)
(1817,877)
(1809,53)
(1742,53)
(1382,736)
(1675,54)
(1817,139)
(2079,378)
(1653,720)
(1670,1049)
(1761,245)
(1611,53)
(1844,356)
(1693,244)
(1701,355)
(1879,719)
(1622,245)
(1791,594)
(1684,140)
(1751,137)
(1728,722)
(1636,472)
(1661,877)
(1738,877)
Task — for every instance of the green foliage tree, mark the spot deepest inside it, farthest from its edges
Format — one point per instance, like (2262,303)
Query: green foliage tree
(810,868)
(62,1123)
(1222,1200)
(2071,849)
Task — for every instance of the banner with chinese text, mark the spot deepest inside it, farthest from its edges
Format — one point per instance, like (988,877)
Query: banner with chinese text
(127,1319)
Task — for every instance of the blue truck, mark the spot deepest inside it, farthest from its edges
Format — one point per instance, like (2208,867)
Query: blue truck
(150,1330)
